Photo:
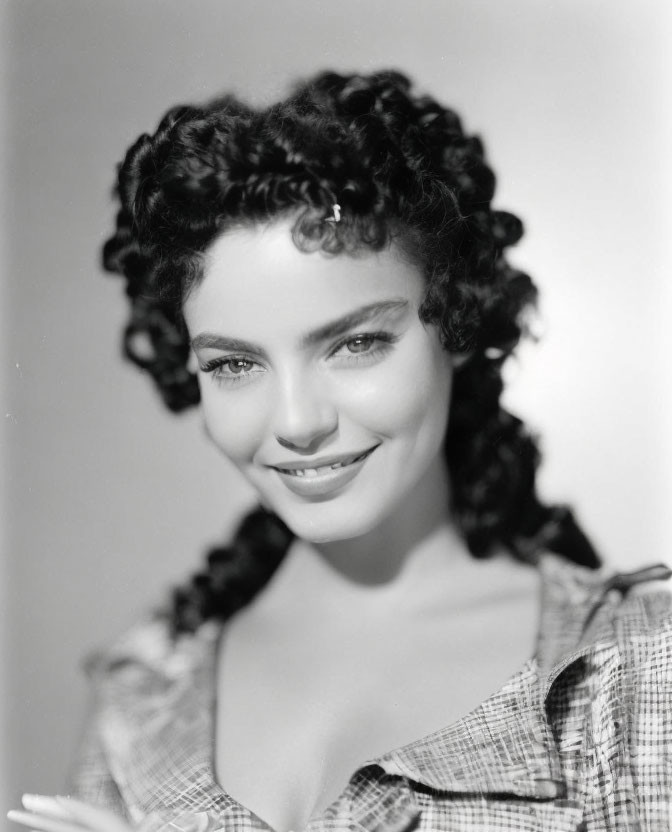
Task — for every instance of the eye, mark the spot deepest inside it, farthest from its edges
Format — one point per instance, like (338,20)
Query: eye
(360,343)
(233,369)
(366,346)
(238,365)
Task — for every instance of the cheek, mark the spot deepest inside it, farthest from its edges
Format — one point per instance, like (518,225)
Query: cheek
(407,396)
(235,421)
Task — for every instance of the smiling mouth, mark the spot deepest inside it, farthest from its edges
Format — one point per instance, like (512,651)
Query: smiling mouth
(321,470)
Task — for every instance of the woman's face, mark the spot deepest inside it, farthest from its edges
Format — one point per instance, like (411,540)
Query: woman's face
(318,379)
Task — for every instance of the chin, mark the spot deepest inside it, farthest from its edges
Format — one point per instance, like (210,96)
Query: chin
(321,523)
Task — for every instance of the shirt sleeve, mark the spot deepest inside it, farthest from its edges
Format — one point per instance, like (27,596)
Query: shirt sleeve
(90,778)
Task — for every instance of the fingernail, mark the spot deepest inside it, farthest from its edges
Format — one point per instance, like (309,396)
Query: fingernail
(15,814)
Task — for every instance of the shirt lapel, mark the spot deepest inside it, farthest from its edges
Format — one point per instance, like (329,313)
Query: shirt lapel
(507,745)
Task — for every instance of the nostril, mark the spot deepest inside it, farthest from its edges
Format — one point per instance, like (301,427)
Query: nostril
(305,446)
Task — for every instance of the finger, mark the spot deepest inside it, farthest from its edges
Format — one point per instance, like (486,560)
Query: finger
(43,805)
(41,823)
(101,820)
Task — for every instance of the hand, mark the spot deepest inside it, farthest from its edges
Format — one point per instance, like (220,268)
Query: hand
(64,814)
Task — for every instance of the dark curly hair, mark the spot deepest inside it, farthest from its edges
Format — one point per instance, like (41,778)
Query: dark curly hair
(401,169)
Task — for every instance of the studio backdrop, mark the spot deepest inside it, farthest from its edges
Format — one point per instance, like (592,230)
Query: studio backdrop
(110,499)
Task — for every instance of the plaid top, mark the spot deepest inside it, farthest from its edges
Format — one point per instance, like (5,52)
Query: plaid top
(579,739)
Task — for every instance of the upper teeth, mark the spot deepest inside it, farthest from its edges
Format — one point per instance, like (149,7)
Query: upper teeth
(323,469)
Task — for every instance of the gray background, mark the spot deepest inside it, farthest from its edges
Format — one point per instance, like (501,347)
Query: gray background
(109,500)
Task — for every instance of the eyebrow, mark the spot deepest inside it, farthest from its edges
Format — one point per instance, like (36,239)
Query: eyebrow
(209,340)
(360,316)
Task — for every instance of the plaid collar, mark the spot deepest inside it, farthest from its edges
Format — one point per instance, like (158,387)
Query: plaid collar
(506,745)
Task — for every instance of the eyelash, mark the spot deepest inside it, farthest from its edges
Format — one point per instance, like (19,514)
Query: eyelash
(218,366)
(384,339)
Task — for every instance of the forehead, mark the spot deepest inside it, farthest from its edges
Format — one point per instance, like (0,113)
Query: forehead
(256,279)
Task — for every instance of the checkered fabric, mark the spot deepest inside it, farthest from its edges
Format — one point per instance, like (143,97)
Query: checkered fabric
(579,739)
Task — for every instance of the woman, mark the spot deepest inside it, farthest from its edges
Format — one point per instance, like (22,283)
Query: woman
(328,278)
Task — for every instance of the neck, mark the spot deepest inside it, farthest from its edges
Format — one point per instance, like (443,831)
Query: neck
(416,563)
(408,562)
(381,555)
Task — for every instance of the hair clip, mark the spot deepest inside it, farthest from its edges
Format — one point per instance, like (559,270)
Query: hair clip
(336,208)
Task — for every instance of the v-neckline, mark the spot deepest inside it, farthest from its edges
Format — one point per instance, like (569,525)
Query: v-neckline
(217,791)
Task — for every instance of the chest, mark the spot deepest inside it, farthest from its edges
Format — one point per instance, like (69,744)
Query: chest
(297,714)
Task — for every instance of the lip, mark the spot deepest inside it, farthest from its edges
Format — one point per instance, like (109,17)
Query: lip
(324,475)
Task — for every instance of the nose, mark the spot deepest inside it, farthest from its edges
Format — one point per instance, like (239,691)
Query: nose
(305,416)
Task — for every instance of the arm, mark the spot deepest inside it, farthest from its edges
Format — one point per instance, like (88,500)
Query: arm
(90,779)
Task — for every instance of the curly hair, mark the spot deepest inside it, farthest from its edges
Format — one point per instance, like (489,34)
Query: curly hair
(402,170)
